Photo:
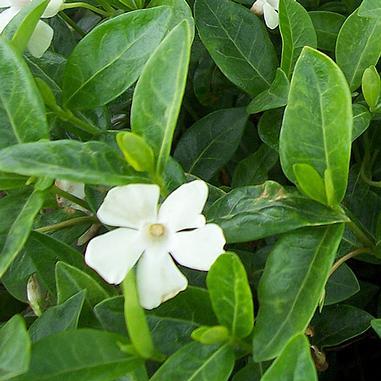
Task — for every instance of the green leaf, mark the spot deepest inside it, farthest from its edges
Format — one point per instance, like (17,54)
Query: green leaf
(198,362)
(84,354)
(341,285)
(111,59)
(255,212)
(22,112)
(14,348)
(231,295)
(291,286)
(238,42)
(376,325)
(361,120)
(371,87)
(275,96)
(269,127)
(211,142)
(358,46)
(159,92)
(337,324)
(19,230)
(327,26)
(91,163)
(297,32)
(59,318)
(294,363)
(370,8)
(254,169)
(11,181)
(211,335)
(318,117)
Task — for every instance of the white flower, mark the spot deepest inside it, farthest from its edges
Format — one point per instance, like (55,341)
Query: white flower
(268,8)
(43,34)
(76,189)
(151,236)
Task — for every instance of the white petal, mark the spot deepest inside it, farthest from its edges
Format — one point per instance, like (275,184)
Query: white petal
(113,254)
(274,3)
(76,189)
(257,7)
(41,39)
(182,208)
(53,8)
(158,279)
(5,3)
(198,249)
(6,16)
(271,16)
(130,206)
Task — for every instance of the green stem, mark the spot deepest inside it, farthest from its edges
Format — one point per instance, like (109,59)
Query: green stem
(72,23)
(80,4)
(354,253)
(66,224)
(70,197)
(106,6)
(360,234)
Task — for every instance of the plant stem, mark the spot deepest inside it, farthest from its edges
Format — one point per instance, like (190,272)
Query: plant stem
(66,224)
(70,197)
(106,6)
(360,234)
(87,6)
(73,24)
(354,253)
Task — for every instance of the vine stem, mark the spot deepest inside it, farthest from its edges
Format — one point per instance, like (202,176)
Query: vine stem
(354,253)
(70,197)
(80,4)
(66,224)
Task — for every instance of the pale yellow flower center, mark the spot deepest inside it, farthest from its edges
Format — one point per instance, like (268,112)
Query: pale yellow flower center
(157,230)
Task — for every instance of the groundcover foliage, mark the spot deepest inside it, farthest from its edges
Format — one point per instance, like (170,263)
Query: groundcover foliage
(268,112)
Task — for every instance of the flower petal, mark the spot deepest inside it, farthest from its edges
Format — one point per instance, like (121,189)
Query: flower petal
(130,206)
(198,249)
(182,208)
(158,279)
(6,17)
(41,39)
(257,7)
(5,3)
(271,16)
(113,254)
(53,8)
(274,4)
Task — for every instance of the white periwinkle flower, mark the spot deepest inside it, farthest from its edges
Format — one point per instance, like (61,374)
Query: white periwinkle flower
(43,34)
(150,236)
(268,8)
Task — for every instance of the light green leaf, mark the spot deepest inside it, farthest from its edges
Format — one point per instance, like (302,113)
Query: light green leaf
(376,325)
(251,213)
(371,87)
(358,46)
(361,120)
(198,362)
(11,181)
(275,96)
(14,348)
(370,8)
(22,112)
(84,354)
(294,363)
(58,318)
(291,286)
(231,295)
(238,42)
(317,124)
(91,162)
(111,59)
(297,32)
(19,231)
(211,142)
(159,92)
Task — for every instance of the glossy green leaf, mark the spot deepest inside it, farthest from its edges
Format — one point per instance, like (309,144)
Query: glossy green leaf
(275,96)
(269,127)
(19,230)
(327,26)
(211,142)
(291,286)
(231,295)
(318,117)
(159,91)
(371,87)
(14,348)
(361,120)
(337,324)
(255,212)
(91,163)
(370,8)
(341,285)
(22,112)
(297,32)
(198,362)
(254,169)
(11,181)
(112,56)
(376,325)
(84,354)
(58,318)
(358,46)
(238,42)
(211,335)
(294,363)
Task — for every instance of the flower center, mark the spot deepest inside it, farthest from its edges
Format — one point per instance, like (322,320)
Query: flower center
(157,230)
